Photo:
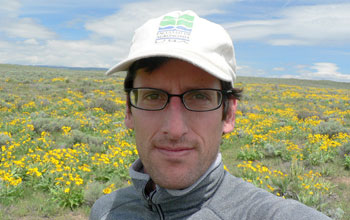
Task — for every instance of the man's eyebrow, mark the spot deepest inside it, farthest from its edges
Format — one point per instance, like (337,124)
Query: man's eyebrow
(195,88)
(187,88)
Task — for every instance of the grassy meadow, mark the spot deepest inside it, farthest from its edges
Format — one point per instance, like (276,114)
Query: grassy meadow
(63,143)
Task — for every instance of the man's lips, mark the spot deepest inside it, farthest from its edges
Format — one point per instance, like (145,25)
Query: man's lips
(174,151)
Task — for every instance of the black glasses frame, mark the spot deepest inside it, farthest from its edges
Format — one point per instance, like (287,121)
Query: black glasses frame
(181,96)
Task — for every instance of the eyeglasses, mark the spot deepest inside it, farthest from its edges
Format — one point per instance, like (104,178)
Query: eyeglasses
(198,100)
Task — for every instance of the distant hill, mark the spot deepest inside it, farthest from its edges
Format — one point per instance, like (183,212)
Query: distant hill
(10,69)
(73,68)
(290,81)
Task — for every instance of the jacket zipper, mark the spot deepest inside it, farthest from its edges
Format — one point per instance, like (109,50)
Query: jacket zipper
(151,204)
(160,212)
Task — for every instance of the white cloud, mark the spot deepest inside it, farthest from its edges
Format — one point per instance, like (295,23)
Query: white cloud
(109,38)
(321,71)
(278,69)
(245,70)
(328,71)
(9,8)
(301,25)
(106,45)
(91,54)
(31,42)
(26,28)
(301,66)
(15,27)
(121,25)
(82,53)
(117,29)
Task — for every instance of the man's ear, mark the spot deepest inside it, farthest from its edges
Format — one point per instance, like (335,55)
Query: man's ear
(129,120)
(229,122)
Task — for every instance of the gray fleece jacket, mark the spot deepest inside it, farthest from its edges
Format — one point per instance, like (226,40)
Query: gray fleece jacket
(216,195)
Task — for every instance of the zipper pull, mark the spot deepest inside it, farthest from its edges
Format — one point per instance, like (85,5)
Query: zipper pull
(150,203)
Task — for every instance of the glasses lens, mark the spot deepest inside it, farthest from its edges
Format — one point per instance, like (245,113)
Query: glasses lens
(148,99)
(202,99)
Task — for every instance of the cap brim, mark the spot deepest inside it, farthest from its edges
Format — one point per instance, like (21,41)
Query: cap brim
(209,66)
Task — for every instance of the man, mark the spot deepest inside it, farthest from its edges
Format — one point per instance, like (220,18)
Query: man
(180,101)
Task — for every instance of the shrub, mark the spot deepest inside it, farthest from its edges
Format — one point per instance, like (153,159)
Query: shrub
(344,149)
(39,114)
(43,102)
(53,124)
(19,104)
(106,104)
(107,87)
(305,113)
(4,104)
(347,161)
(335,213)
(250,153)
(329,128)
(246,108)
(271,150)
(84,90)
(318,157)
(67,197)
(92,192)
(94,143)
(4,140)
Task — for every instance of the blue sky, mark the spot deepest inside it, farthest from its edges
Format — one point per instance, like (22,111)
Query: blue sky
(307,39)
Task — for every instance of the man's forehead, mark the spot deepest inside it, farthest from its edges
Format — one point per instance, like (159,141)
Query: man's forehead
(177,71)
(176,66)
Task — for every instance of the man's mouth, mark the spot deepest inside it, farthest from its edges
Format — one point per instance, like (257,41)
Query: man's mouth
(174,151)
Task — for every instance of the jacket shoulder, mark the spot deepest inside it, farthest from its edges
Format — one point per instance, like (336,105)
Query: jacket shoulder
(237,199)
(119,199)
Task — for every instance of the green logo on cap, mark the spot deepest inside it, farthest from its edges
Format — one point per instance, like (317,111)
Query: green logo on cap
(184,20)
(175,29)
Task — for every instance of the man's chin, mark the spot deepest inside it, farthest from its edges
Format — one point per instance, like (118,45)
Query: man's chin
(174,178)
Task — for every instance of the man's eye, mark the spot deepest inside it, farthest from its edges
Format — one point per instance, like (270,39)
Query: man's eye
(152,96)
(200,96)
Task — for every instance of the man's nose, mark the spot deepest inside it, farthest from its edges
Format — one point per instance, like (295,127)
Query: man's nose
(175,123)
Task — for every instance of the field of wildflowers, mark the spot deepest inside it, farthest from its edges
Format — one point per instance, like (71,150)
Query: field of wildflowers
(63,141)
(294,142)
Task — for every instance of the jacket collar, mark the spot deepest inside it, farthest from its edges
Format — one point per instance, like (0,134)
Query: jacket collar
(192,196)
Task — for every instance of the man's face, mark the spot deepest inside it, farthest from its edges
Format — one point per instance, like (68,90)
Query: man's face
(175,145)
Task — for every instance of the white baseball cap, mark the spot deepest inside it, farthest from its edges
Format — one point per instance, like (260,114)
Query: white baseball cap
(185,36)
